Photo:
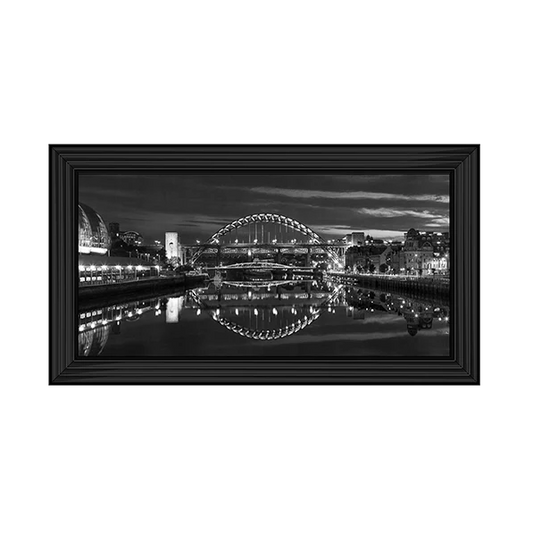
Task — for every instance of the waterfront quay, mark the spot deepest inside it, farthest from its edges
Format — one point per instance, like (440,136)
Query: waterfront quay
(100,270)
(90,294)
(428,287)
(102,278)
(261,249)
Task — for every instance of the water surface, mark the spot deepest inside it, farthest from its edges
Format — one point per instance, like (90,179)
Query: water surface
(302,319)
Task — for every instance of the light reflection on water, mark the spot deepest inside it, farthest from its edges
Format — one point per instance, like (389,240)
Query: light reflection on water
(293,319)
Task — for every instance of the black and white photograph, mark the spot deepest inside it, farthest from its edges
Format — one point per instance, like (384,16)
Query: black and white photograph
(264,264)
(270,264)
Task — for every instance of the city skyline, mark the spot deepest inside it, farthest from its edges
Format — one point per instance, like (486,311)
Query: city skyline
(198,204)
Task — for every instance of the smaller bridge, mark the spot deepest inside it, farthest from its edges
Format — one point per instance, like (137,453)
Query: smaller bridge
(261,272)
(266,265)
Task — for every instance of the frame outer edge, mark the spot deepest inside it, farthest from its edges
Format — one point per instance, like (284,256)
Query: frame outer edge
(66,190)
(71,264)
(456,265)
(62,266)
(481,252)
(62,263)
(48,268)
(467,260)
(471,259)
(464,266)
(475,259)
(54,295)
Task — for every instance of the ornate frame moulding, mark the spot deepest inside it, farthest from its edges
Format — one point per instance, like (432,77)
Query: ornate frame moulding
(66,161)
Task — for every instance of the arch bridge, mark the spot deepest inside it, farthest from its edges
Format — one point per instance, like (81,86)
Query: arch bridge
(293,321)
(312,240)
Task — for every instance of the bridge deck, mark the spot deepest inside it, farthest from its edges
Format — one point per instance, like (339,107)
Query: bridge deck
(257,265)
(267,245)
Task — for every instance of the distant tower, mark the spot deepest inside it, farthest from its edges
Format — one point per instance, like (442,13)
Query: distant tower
(173,310)
(358,238)
(114,229)
(173,245)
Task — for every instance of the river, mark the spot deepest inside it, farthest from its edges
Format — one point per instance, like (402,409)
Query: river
(259,320)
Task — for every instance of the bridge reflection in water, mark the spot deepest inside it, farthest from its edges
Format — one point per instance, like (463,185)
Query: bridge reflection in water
(258,311)
(268,311)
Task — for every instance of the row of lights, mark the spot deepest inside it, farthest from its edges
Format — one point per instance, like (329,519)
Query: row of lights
(256,312)
(104,322)
(274,241)
(118,267)
(92,325)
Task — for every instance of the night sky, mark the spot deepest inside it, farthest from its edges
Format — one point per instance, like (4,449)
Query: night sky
(198,204)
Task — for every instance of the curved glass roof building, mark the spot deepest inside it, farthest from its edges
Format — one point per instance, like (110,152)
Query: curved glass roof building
(93,341)
(93,237)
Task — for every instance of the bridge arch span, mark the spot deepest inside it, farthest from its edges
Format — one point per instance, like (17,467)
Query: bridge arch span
(267,334)
(275,218)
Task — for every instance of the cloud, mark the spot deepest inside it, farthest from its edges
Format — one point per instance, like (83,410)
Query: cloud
(198,204)
(392,213)
(331,230)
(339,231)
(434,220)
(442,178)
(350,195)
(439,222)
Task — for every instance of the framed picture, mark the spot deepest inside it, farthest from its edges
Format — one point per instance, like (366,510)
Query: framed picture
(264,264)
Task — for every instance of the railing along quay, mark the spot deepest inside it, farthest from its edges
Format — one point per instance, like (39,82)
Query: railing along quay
(417,286)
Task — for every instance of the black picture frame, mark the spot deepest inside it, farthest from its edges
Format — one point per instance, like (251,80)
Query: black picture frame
(461,161)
